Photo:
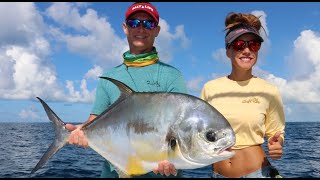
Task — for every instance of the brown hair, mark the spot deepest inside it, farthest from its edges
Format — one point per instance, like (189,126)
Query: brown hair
(234,19)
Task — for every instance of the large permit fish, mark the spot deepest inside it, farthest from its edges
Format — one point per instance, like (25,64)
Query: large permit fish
(142,128)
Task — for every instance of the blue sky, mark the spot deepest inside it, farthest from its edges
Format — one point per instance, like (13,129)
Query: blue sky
(57,50)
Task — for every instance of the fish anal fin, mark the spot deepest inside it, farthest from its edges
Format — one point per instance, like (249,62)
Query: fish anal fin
(121,173)
(133,168)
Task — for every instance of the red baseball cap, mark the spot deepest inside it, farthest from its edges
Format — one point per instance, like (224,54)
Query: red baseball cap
(143,6)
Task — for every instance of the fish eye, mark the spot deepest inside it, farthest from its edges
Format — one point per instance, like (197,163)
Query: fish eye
(211,136)
(173,143)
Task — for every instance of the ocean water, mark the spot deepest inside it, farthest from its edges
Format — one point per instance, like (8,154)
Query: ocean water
(23,144)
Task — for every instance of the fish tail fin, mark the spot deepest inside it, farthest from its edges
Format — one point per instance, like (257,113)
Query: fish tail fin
(61,136)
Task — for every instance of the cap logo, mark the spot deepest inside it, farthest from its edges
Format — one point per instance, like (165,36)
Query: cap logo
(240,30)
(142,7)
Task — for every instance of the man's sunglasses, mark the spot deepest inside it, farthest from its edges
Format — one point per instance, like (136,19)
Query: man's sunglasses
(148,24)
(240,45)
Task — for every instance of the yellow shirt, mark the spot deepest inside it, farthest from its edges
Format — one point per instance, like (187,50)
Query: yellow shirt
(253,108)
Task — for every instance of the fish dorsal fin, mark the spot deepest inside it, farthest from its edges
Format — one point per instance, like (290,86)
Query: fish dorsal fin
(125,90)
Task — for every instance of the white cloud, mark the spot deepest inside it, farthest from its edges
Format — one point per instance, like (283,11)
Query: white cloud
(20,23)
(220,56)
(264,32)
(6,72)
(26,70)
(83,95)
(66,14)
(304,66)
(29,76)
(28,114)
(34,77)
(304,60)
(194,85)
(94,73)
(94,37)
(166,41)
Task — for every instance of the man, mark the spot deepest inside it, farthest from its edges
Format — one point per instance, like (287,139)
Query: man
(141,70)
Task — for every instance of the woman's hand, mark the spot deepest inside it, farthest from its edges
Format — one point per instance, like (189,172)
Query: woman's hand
(275,146)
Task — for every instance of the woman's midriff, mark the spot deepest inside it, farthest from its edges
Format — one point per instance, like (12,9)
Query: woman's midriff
(244,161)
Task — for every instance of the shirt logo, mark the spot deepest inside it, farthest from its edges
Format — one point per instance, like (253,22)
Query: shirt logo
(153,83)
(251,100)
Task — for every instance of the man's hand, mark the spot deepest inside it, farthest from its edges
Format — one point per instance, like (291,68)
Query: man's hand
(77,136)
(275,146)
(164,167)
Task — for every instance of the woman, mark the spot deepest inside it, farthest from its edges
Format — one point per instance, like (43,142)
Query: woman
(251,105)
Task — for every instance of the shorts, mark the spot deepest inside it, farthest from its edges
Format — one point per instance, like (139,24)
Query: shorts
(266,172)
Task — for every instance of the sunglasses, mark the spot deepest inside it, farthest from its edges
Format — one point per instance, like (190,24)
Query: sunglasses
(240,45)
(148,24)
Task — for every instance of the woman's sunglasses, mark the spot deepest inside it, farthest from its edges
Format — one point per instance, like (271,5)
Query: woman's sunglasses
(148,24)
(240,45)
